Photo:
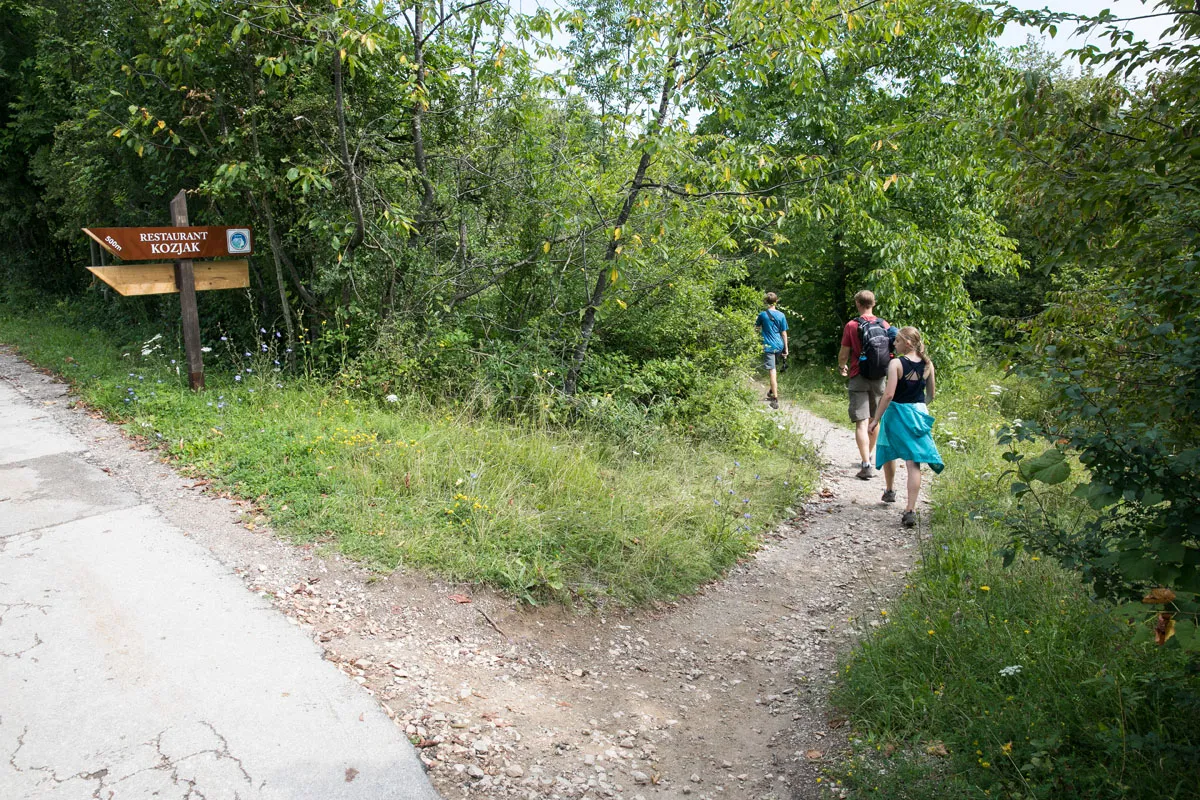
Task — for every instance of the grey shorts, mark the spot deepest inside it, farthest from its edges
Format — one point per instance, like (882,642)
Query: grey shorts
(769,360)
(864,397)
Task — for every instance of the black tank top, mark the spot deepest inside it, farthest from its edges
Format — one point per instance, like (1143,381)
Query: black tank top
(911,386)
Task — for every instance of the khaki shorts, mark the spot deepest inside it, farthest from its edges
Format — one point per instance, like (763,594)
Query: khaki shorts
(864,397)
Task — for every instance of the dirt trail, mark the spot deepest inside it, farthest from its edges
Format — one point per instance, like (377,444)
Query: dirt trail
(721,695)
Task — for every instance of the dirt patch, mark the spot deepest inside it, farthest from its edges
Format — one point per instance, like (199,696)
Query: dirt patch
(721,695)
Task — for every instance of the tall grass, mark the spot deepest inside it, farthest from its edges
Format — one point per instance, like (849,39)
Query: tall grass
(988,681)
(544,513)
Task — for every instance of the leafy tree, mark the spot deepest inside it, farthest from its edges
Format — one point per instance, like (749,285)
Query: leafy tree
(1111,182)
(889,123)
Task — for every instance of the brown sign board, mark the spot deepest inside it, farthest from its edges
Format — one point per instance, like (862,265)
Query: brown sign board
(148,244)
(139,279)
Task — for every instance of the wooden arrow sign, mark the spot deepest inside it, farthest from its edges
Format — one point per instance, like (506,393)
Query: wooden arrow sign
(145,244)
(182,243)
(138,279)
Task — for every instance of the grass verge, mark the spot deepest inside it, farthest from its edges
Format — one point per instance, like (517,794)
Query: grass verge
(819,389)
(1008,682)
(546,514)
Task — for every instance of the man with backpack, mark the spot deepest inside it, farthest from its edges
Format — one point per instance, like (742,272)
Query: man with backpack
(863,358)
(772,326)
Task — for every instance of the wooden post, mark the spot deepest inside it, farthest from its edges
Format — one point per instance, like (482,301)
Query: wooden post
(186,281)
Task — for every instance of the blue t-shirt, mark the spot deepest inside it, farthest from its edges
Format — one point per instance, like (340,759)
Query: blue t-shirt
(771,323)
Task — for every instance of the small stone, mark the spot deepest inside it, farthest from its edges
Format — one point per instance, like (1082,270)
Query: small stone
(475,772)
(727,764)
(481,746)
(514,771)
(639,777)
(695,778)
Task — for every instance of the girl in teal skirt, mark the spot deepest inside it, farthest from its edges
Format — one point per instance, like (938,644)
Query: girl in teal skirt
(905,426)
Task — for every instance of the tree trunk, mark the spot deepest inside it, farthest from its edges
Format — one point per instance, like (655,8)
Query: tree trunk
(277,254)
(588,325)
(347,164)
(418,115)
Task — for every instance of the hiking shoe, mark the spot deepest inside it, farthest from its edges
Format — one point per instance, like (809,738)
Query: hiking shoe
(865,473)
(889,496)
(774,401)
(909,519)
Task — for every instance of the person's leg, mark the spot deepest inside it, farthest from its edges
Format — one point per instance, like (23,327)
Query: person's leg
(914,485)
(874,395)
(860,415)
(889,480)
(861,438)
(775,383)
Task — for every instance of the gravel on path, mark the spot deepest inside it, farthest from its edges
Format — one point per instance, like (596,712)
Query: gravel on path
(719,695)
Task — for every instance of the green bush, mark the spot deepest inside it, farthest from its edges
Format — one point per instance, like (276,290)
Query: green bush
(615,507)
(987,680)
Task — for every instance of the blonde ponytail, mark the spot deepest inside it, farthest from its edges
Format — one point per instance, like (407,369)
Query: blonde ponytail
(913,337)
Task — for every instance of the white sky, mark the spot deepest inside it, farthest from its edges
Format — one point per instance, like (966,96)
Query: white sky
(1148,29)
(1014,35)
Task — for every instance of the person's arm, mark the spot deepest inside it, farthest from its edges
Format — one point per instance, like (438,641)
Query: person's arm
(930,383)
(844,353)
(785,345)
(889,391)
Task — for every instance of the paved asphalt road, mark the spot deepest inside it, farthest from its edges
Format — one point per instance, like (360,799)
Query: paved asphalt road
(133,665)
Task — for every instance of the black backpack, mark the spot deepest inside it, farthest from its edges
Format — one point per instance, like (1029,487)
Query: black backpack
(876,348)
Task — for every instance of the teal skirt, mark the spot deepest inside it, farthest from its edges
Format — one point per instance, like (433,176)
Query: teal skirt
(906,431)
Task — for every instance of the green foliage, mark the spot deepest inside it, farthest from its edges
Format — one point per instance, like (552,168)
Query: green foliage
(427,171)
(989,679)
(546,513)
(1109,184)
(891,188)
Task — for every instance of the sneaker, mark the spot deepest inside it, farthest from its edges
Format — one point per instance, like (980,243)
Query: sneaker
(774,401)
(909,519)
(865,473)
(889,496)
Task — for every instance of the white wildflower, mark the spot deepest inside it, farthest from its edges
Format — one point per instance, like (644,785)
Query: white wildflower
(1010,671)
(391,398)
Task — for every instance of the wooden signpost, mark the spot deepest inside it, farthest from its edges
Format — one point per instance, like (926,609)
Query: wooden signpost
(184,242)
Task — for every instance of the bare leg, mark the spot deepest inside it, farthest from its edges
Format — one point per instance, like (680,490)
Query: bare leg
(873,438)
(914,485)
(865,442)
(889,474)
(774,383)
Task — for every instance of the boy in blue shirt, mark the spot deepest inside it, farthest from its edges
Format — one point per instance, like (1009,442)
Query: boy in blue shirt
(772,326)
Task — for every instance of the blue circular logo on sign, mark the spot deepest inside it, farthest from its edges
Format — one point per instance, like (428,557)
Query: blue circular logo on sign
(238,241)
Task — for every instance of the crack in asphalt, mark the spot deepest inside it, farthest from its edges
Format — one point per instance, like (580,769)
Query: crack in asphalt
(170,766)
(5,608)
